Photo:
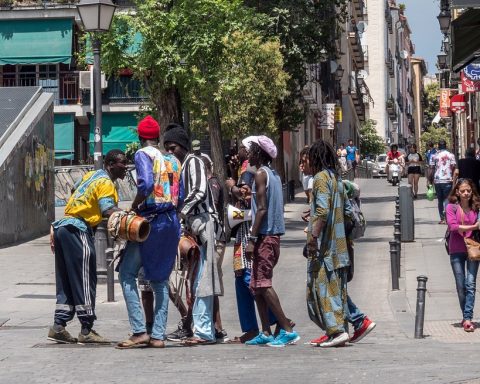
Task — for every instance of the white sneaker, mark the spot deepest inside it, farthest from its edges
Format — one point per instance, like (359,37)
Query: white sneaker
(336,341)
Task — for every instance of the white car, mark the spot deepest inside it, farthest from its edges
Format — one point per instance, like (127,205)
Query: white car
(379,166)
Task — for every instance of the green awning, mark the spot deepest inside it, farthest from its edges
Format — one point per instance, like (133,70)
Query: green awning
(38,41)
(465,33)
(64,129)
(118,130)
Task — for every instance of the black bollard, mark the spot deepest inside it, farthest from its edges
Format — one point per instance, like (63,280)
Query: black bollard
(110,270)
(420,313)
(394,265)
(397,235)
(398,248)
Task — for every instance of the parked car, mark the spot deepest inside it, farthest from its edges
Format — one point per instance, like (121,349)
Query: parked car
(379,166)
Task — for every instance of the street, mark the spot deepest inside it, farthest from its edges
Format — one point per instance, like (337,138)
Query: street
(389,354)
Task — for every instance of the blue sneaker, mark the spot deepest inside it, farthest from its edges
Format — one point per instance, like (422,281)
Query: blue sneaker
(260,339)
(284,338)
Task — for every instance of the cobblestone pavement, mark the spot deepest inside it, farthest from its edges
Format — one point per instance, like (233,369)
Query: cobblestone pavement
(389,355)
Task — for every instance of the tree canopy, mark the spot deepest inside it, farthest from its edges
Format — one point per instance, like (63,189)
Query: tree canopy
(370,142)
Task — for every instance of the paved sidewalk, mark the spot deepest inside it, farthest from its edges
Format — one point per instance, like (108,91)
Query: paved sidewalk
(388,355)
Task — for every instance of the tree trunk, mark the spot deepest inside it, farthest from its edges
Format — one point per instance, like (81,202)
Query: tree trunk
(169,109)
(279,162)
(216,142)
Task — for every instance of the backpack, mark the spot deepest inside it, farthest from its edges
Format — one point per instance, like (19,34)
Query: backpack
(357,228)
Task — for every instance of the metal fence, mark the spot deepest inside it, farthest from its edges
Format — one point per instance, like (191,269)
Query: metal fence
(66,177)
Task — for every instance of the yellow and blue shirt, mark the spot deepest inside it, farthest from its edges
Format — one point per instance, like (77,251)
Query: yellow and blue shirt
(94,195)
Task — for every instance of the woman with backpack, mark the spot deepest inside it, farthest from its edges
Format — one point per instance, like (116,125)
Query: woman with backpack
(462,219)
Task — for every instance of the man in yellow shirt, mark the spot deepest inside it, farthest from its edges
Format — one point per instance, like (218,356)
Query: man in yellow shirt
(93,198)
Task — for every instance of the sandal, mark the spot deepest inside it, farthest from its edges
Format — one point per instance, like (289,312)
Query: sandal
(468,326)
(134,342)
(245,337)
(197,341)
(156,343)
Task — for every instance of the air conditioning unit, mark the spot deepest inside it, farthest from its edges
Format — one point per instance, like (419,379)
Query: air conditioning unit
(85,80)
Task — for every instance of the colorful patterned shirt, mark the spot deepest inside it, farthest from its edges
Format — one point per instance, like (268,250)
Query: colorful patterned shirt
(94,195)
(158,178)
(444,163)
(330,204)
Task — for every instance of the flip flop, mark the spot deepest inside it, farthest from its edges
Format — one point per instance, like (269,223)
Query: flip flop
(128,344)
(197,341)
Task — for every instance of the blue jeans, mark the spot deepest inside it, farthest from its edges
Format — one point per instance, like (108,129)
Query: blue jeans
(442,190)
(465,282)
(354,316)
(202,310)
(246,303)
(131,263)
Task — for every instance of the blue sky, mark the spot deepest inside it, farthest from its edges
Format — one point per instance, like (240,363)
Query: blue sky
(422,18)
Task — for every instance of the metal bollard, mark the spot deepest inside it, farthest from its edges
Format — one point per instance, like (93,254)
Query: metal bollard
(110,275)
(394,266)
(397,235)
(420,312)
(407,210)
(398,247)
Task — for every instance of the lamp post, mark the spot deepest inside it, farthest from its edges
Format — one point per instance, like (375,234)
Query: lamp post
(96,16)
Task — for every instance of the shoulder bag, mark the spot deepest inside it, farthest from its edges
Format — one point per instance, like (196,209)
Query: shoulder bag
(473,247)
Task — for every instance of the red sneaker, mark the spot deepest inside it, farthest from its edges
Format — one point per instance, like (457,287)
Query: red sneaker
(366,327)
(318,341)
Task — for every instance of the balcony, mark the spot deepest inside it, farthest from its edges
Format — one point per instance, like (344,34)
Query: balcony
(37,4)
(120,90)
(391,109)
(389,18)
(390,63)
(360,9)
(355,92)
(356,45)
(64,85)
(365,52)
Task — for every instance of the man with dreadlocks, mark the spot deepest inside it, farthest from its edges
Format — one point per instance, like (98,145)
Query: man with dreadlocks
(327,299)
(264,241)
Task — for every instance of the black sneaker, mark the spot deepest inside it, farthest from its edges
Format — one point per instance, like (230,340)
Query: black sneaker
(221,336)
(180,334)
(61,337)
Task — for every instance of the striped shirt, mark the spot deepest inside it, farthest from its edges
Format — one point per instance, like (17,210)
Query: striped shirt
(197,196)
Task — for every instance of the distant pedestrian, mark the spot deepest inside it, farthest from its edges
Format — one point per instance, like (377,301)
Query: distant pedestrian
(342,157)
(307,179)
(93,198)
(462,219)
(328,303)
(468,168)
(414,168)
(158,190)
(264,245)
(430,170)
(444,165)
(352,156)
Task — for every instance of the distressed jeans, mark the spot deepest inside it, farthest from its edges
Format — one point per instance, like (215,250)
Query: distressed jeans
(131,264)
(465,273)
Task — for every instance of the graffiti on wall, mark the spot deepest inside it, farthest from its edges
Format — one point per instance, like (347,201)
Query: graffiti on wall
(39,162)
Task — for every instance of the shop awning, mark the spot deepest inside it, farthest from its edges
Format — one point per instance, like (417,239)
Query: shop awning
(465,39)
(64,128)
(36,41)
(118,130)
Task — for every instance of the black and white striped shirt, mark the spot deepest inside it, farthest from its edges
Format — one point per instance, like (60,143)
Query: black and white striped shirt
(197,194)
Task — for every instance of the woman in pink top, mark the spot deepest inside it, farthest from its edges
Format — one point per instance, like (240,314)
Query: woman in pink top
(462,219)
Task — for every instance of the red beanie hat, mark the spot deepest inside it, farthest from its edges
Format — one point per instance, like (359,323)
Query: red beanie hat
(148,128)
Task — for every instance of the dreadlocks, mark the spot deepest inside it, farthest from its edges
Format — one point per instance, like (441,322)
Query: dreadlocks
(322,156)
(304,152)
(259,153)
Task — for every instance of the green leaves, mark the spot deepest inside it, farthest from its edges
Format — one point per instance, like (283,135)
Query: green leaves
(370,142)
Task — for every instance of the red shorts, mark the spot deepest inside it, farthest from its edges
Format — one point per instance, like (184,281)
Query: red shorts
(265,257)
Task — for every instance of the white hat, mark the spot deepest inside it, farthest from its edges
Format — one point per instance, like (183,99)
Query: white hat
(264,142)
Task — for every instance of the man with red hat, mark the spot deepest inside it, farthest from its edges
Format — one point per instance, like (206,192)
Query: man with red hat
(158,191)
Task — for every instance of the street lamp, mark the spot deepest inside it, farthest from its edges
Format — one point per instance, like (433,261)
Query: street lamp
(339,72)
(442,60)
(96,16)
(444,20)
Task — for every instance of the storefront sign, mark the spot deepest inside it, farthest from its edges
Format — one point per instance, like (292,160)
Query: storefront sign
(338,114)
(327,116)
(457,103)
(470,79)
(445,102)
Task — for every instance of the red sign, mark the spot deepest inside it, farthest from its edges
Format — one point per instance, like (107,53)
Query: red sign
(445,102)
(457,103)
(468,85)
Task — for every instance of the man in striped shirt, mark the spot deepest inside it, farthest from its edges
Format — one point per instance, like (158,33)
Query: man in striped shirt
(196,214)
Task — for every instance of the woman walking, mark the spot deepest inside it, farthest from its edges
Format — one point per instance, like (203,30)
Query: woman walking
(462,219)
(414,169)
